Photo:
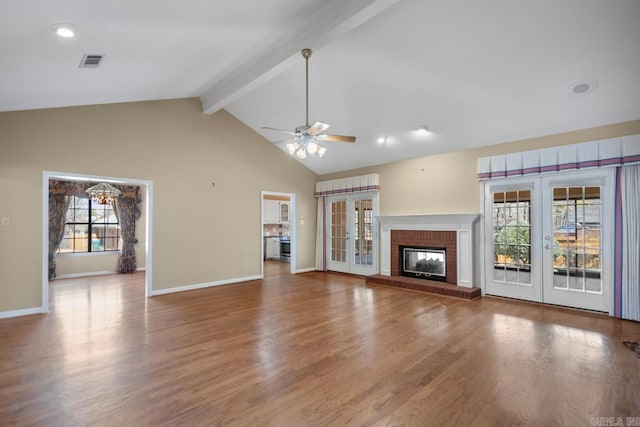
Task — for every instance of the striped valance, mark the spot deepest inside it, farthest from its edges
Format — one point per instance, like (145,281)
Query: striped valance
(354,184)
(607,152)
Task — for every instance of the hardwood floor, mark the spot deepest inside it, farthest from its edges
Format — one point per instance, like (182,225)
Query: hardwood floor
(306,350)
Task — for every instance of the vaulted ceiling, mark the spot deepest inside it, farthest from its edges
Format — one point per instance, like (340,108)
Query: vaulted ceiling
(475,73)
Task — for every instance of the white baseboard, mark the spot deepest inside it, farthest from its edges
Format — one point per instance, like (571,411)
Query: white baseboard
(92,273)
(305,270)
(203,285)
(23,312)
(87,274)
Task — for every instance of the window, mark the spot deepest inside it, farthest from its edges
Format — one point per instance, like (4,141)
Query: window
(90,227)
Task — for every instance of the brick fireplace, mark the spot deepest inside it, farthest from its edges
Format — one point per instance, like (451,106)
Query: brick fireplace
(453,232)
(425,238)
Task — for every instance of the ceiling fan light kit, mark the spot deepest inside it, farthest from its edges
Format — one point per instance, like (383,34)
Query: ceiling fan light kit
(305,139)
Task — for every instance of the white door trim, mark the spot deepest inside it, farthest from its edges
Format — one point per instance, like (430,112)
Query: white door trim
(292,227)
(48,175)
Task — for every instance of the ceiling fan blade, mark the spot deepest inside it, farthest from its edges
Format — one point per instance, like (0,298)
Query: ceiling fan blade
(278,130)
(317,128)
(336,138)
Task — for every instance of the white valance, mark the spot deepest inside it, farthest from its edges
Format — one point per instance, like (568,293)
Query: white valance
(607,152)
(354,184)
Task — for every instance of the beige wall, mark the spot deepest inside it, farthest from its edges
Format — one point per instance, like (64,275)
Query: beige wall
(447,183)
(202,233)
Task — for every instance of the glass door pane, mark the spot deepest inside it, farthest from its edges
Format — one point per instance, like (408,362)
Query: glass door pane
(512,237)
(577,249)
(363,232)
(338,231)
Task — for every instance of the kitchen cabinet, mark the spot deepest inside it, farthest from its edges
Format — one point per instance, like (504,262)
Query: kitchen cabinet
(284,212)
(271,211)
(276,212)
(272,248)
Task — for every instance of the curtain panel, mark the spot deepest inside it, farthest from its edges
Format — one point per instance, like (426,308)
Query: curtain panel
(605,153)
(58,206)
(127,211)
(321,235)
(354,184)
(627,243)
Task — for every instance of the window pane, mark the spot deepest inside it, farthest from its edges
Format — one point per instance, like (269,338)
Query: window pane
(577,234)
(512,236)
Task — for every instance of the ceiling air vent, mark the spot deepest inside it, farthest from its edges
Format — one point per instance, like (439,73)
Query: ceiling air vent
(91,61)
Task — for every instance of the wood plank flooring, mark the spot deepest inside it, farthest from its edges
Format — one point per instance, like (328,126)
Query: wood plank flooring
(313,349)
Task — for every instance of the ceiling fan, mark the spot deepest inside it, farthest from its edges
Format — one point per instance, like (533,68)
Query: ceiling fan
(305,139)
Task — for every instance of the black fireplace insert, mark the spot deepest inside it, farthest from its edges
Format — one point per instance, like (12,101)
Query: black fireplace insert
(423,262)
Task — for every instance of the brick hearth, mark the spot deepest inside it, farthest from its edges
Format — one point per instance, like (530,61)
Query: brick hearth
(424,285)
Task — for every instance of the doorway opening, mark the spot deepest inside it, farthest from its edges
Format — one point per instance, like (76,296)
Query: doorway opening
(278,229)
(147,203)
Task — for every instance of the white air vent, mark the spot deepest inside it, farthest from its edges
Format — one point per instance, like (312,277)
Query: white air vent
(91,61)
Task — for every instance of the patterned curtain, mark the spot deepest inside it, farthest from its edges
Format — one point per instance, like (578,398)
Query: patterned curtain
(127,210)
(58,205)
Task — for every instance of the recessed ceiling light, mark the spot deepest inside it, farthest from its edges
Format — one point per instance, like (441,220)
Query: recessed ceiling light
(381,140)
(63,30)
(582,87)
(423,129)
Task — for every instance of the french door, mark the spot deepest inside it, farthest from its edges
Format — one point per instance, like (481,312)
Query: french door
(351,235)
(550,239)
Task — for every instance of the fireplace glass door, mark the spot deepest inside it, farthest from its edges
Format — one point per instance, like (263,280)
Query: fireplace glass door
(351,236)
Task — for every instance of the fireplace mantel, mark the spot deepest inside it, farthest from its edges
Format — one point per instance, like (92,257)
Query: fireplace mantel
(462,224)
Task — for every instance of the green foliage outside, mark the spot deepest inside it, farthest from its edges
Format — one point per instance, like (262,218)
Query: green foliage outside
(513,241)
